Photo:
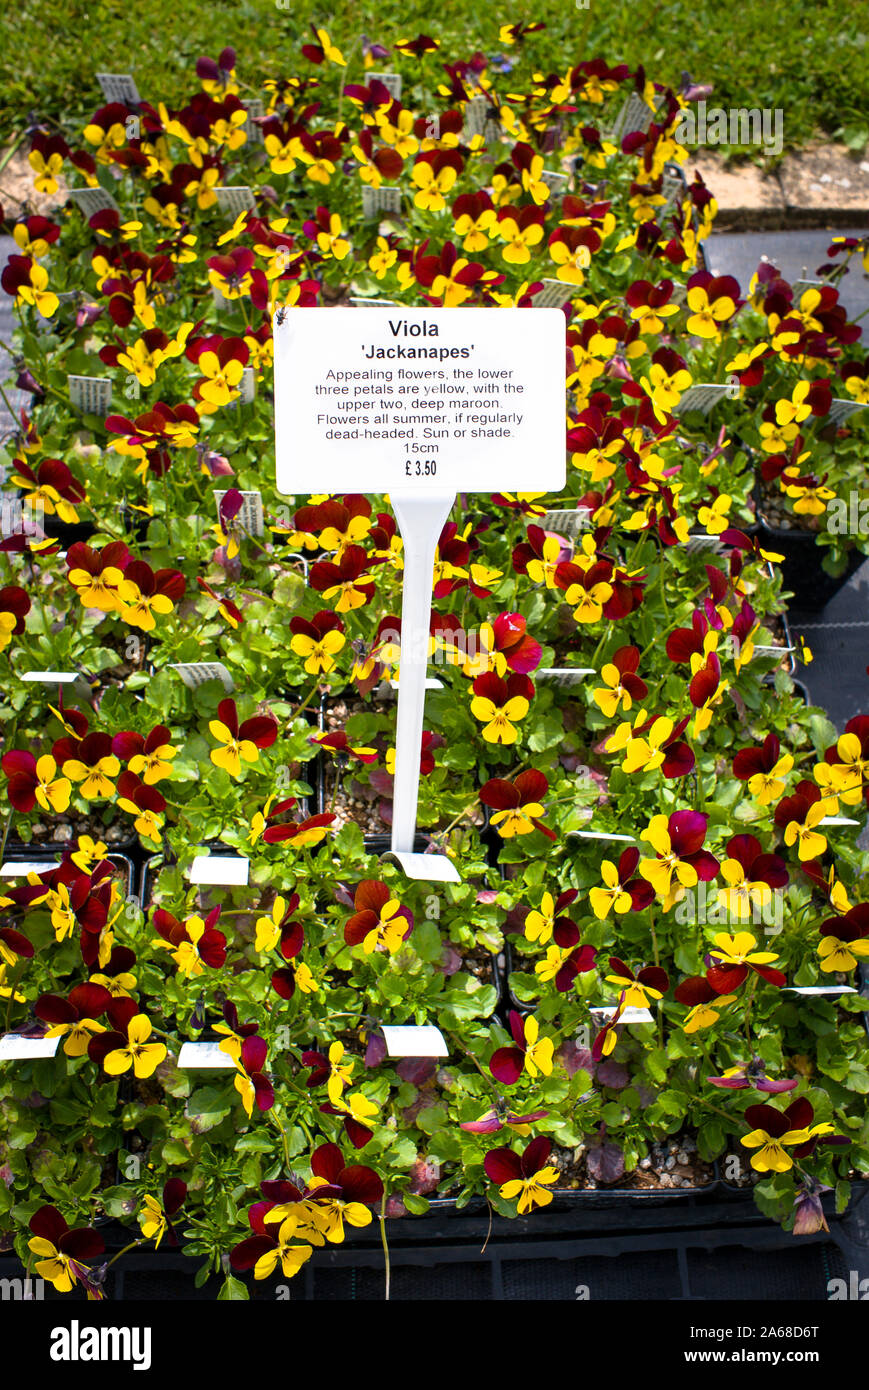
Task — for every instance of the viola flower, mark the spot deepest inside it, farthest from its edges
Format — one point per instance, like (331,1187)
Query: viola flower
(229,611)
(262,1252)
(638,990)
(764,769)
(155,1219)
(379,921)
(75,1018)
(145,803)
(705,689)
(712,300)
(14,606)
(434,173)
(357,1113)
(650,304)
(809,1215)
(539,556)
(318,641)
(503,644)
(845,940)
(652,742)
(845,770)
(526,1176)
(358,1189)
(735,955)
(239,741)
(332,1069)
(621,891)
(234,1031)
(540,924)
(27,281)
(193,943)
(704,1002)
(301,834)
(64,1251)
(50,488)
(150,757)
(800,815)
(531,1053)
(624,685)
(751,876)
(339,744)
(14,946)
(774,1131)
(115,975)
(35,781)
(499,1117)
(588,589)
(91,762)
(753,1073)
(280,928)
(96,575)
(134,1051)
(678,842)
(344,579)
(500,703)
(251,1082)
(142,593)
(518,804)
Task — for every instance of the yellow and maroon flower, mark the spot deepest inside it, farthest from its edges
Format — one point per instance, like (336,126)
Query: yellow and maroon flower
(800,815)
(712,300)
(63,1251)
(50,488)
(764,769)
(517,804)
(143,802)
(774,1131)
(845,940)
(530,1052)
(621,890)
(91,762)
(704,1002)
(637,990)
(500,704)
(75,1018)
(194,943)
(318,640)
(380,920)
(298,834)
(239,741)
(33,781)
(156,1218)
(624,685)
(750,875)
(127,1046)
(678,844)
(96,574)
(142,593)
(733,956)
(150,757)
(343,579)
(500,1116)
(526,1176)
(27,281)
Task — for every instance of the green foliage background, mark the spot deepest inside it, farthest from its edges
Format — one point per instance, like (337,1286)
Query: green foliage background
(808,57)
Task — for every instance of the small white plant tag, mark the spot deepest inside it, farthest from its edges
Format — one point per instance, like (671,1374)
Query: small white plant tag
(251,515)
(119,86)
(225,870)
(380,201)
(235,199)
(201,1056)
(92,395)
(414,1040)
(93,200)
(196,673)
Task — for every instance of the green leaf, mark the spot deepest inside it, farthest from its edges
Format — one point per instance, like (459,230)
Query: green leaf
(233,1290)
(207,1107)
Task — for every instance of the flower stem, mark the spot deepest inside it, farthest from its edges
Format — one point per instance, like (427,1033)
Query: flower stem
(384,1241)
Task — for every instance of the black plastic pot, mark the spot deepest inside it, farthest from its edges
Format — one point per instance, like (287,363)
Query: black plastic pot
(810,586)
(16,852)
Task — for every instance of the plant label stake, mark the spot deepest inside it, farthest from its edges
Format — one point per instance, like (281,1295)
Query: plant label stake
(421,404)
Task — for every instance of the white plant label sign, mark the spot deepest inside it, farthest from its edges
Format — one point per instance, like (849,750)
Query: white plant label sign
(414,1040)
(424,400)
(377,201)
(227,870)
(251,514)
(236,199)
(420,404)
(204,1056)
(92,395)
(390,80)
(14,1048)
(196,673)
(255,111)
(119,86)
(93,200)
(553,294)
(704,396)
